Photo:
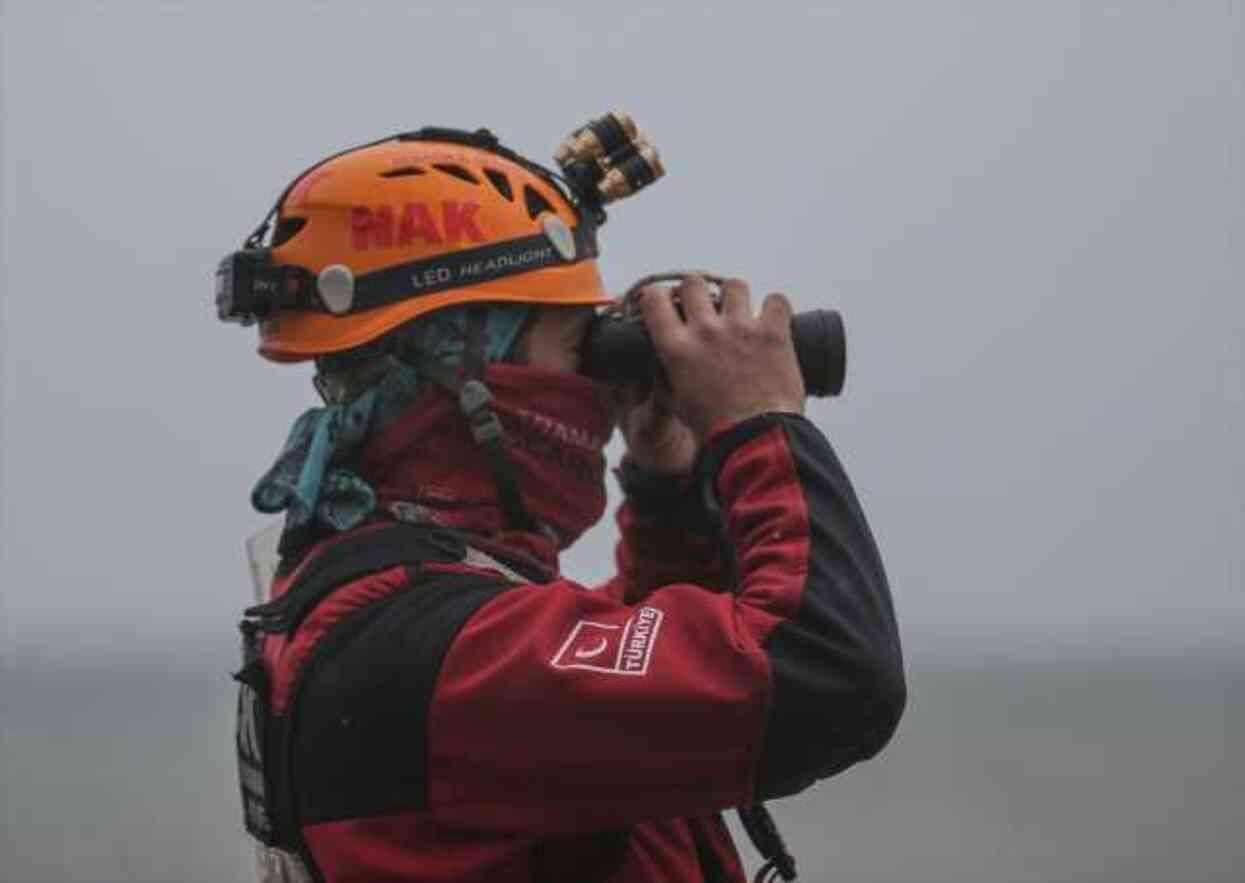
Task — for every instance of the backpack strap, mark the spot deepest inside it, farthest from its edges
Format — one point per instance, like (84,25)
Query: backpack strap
(264,741)
(368,551)
(261,738)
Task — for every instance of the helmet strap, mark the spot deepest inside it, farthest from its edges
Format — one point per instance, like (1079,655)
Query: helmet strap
(473,346)
(473,400)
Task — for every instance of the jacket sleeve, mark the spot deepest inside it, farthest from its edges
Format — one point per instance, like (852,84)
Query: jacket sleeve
(666,534)
(559,709)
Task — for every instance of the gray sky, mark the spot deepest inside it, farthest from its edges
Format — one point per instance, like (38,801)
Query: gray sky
(1030,215)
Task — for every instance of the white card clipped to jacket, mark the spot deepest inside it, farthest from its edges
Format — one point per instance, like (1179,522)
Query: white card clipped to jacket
(262,555)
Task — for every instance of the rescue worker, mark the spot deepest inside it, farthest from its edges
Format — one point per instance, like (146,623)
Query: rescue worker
(426,697)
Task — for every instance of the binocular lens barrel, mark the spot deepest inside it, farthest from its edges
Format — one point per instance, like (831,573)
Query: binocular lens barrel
(620,351)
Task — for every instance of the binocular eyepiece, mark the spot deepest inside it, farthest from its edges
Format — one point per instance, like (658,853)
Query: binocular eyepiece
(619,350)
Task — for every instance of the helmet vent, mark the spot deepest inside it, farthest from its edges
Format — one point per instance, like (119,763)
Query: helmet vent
(402,172)
(500,182)
(456,171)
(535,202)
(287,229)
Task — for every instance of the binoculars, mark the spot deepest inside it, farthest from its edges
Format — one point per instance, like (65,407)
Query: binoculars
(619,350)
(608,159)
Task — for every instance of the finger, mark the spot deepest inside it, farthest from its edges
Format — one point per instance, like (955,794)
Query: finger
(662,399)
(639,394)
(663,323)
(776,313)
(696,300)
(627,396)
(736,299)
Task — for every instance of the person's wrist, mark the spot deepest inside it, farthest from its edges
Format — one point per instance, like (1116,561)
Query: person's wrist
(669,498)
(722,424)
(638,478)
(657,465)
(716,424)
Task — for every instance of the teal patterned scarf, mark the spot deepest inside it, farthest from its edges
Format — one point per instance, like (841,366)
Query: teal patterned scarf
(308,480)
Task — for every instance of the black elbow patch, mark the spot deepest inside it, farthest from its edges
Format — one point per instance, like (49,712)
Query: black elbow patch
(890,698)
(893,700)
(825,713)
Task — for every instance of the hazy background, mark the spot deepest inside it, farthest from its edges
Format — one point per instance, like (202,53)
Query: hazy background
(1032,217)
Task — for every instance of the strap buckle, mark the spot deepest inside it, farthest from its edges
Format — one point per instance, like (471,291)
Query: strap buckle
(473,400)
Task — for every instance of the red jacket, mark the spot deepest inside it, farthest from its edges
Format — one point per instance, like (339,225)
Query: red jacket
(441,724)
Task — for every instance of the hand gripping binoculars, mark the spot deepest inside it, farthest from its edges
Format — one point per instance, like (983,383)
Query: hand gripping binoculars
(609,159)
(619,350)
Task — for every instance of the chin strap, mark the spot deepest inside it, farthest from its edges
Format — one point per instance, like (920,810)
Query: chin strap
(473,400)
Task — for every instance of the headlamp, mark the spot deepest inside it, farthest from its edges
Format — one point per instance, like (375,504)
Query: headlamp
(608,159)
(249,286)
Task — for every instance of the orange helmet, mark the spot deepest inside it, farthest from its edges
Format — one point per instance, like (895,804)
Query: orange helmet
(378,235)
